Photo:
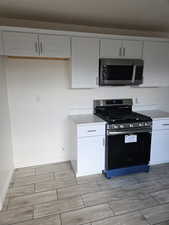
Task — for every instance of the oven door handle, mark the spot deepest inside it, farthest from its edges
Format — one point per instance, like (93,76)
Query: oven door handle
(110,133)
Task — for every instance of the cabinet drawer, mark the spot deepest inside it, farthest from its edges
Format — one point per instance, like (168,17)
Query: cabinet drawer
(88,131)
(161,124)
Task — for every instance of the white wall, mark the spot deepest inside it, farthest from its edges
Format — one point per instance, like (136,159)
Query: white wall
(40,101)
(6,156)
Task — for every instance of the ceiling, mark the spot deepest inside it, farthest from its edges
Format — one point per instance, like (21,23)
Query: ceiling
(125,14)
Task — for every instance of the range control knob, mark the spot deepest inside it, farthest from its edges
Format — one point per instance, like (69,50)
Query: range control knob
(115,126)
(121,126)
(131,125)
(140,124)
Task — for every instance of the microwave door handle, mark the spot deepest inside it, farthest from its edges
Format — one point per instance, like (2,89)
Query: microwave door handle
(134,74)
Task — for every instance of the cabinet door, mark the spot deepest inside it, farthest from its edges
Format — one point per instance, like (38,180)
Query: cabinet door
(110,48)
(20,44)
(156,64)
(1,46)
(91,155)
(132,49)
(160,147)
(54,46)
(85,62)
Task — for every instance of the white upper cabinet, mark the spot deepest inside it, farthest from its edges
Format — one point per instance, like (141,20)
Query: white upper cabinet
(110,48)
(1,46)
(132,49)
(85,62)
(20,44)
(156,64)
(54,46)
(42,45)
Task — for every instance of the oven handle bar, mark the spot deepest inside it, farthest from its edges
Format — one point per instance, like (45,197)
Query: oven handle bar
(110,133)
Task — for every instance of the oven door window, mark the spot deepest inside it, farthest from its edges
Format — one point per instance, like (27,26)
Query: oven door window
(118,72)
(128,150)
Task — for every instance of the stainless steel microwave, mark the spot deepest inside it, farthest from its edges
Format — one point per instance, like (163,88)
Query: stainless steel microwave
(118,72)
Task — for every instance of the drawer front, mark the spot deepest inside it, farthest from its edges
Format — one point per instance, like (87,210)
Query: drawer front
(88,131)
(161,124)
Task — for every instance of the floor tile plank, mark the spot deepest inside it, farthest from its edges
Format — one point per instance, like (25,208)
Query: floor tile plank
(54,220)
(21,190)
(57,207)
(156,214)
(22,181)
(161,196)
(130,219)
(32,199)
(77,190)
(16,215)
(131,204)
(86,215)
(55,184)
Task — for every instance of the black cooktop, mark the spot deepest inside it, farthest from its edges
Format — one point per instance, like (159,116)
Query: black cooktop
(121,116)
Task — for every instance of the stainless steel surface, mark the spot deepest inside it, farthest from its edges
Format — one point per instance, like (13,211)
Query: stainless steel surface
(122,126)
(134,131)
(129,125)
(106,80)
(134,74)
(114,102)
(126,62)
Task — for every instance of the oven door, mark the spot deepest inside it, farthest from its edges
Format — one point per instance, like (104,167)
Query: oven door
(125,149)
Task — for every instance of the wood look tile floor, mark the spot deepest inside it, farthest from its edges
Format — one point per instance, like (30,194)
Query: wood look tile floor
(51,195)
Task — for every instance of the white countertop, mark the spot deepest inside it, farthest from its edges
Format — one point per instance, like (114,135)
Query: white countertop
(156,114)
(86,119)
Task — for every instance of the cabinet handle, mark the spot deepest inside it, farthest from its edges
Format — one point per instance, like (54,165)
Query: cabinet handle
(97,81)
(120,51)
(89,131)
(103,142)
(41,49)
(36,46)
(165,124)
(124,51)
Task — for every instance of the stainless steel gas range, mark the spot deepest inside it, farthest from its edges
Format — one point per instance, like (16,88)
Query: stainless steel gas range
(128,137)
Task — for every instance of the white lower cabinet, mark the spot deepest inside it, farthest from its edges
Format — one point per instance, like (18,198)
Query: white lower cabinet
(88,149)
(91,154)
(160,142)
